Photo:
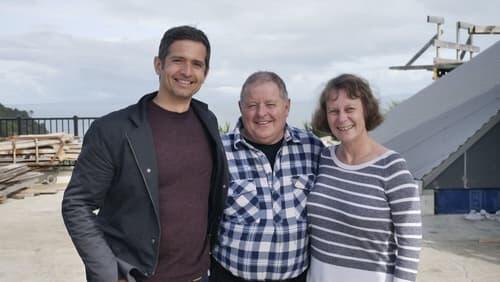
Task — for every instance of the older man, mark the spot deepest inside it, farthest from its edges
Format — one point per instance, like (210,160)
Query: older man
(272,166)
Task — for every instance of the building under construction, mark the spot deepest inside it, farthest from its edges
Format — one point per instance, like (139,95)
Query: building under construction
(449,132)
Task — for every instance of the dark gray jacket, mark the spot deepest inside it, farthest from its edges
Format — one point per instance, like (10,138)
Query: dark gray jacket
(117,173)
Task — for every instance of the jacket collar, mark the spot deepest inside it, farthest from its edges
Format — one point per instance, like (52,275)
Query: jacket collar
(139,115)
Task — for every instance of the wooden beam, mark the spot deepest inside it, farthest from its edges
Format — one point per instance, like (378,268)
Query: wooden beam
(26,144)
(487,29)
(422,50)
(464,25)
(456,46)
(4,193)
(21,177)
(468,42)
(434,19)
(439,65)
(421,67)
(41,151)
(442,61)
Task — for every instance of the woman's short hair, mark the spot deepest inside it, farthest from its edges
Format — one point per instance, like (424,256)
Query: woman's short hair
(355,88)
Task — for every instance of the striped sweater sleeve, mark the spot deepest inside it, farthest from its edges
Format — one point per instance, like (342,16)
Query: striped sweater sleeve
(404,202)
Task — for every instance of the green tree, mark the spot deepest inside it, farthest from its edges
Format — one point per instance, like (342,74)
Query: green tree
(224,128)
(308,127)
(10,127)
(392,105)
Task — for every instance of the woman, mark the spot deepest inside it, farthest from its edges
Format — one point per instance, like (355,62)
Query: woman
(364,210)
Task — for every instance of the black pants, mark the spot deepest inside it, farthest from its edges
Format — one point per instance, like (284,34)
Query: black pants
(220,274)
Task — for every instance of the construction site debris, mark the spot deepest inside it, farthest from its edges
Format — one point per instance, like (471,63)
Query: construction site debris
(40,150)
(16,177)
(26,161)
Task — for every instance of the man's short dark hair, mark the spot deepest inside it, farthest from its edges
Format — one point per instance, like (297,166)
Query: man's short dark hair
(183,32)
(355,88)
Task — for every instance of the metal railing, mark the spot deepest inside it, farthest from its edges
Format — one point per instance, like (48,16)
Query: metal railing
(75,125)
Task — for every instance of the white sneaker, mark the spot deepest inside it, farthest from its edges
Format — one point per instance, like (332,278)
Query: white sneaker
(473,215)
(487,215)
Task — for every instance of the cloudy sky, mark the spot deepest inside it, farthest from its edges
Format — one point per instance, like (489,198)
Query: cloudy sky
(61,58)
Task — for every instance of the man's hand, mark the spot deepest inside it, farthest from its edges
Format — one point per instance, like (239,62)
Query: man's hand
(122,280)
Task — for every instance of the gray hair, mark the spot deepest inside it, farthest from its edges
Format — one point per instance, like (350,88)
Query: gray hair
(261,77)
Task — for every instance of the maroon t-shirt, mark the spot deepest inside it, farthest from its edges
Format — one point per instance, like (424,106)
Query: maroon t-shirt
(185,167)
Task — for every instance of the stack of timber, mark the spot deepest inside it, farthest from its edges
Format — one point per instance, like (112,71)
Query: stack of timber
(40,150)
(16,177)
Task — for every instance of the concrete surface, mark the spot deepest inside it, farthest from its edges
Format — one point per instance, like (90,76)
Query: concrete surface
(455,249)
(34,246)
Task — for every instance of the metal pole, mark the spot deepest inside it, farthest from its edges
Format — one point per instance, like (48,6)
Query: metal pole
(458,40)
(18,125)
(75,125)
(465,176)
(438,38)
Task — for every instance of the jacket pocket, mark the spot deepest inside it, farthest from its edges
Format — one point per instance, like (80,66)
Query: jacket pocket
(243,204)
(124,270)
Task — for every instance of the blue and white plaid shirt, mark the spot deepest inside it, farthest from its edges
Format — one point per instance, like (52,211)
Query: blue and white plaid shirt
(263,233)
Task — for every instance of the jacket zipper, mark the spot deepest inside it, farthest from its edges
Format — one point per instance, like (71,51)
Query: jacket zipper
(151,198)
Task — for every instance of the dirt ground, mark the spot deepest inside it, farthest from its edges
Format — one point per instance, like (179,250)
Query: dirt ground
(34,245)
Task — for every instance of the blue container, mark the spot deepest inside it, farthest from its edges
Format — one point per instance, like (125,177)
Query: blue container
(462,200)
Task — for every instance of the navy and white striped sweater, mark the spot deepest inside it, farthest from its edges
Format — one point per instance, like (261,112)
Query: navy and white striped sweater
(365,217)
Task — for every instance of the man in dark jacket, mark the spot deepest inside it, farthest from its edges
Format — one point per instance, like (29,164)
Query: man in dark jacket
(148,188)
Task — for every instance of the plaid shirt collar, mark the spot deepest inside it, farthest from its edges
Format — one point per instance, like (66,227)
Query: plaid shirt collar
(240,142)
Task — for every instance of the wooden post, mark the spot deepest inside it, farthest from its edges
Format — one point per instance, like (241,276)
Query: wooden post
(14,150)
(36,150)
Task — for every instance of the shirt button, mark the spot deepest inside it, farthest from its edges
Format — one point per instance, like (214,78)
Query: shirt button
(153,241)
(148,170)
